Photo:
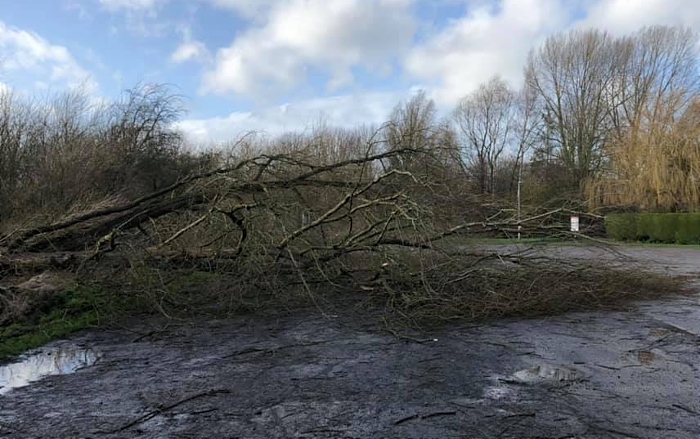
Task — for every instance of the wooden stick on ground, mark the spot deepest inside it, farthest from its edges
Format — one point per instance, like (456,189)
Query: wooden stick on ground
(161,410)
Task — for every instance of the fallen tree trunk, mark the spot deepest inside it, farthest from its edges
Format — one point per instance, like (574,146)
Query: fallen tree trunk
(35,262)
(98,229)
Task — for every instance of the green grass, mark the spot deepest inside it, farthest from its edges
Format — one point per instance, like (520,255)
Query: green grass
(83,307)
(77,308)
(91,306)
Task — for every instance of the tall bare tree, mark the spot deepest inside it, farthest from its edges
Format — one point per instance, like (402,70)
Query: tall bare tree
(410,127)
(657,76)
(572,75)
(528,130)
(486,120)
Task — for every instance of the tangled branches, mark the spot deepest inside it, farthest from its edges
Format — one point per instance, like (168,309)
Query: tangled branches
(372,221)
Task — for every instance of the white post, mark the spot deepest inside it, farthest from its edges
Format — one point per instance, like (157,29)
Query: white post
(520,182)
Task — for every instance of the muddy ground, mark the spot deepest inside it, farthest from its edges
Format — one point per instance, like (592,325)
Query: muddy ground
(632,374)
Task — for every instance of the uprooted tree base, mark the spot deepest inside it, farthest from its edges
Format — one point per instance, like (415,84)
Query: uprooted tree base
(281,231)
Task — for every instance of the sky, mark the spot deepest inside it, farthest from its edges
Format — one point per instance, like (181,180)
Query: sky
(282,65)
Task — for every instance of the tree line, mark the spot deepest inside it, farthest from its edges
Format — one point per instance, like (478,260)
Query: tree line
(608,120)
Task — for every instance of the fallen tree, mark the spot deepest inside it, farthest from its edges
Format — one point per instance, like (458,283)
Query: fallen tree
(288,224)
(382,193)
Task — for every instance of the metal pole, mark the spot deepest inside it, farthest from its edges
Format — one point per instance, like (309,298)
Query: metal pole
(520,182)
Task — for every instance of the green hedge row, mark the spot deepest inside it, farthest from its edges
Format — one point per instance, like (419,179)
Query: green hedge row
(668,228)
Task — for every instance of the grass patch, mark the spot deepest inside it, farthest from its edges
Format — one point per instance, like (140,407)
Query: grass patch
(463,241)
(56,316)
(182,293)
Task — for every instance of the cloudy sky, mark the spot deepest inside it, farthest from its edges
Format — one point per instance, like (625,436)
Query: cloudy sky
(277,65)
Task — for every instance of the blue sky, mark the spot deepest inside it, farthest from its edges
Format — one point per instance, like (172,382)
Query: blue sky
(277,65)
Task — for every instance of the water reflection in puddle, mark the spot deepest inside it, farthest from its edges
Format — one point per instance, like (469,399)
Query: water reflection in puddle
(545,372)
(50,361)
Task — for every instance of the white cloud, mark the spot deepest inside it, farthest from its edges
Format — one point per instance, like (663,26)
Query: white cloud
(290,37)
(300,36)
(495,37)
(625,16)
(288,43)
(79,7)
(190,51)
(491,39)
(26,53)
(341,111)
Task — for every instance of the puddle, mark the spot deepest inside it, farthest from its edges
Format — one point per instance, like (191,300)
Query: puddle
(545,372)
(50,361)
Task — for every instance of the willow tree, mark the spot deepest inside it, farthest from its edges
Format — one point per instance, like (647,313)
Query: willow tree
(654,158)
(657,169)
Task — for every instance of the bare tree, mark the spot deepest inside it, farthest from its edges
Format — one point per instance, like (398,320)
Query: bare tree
(572,75)
(67,159)
(657,77)
(528,131)
(410,128)
(142,139)
(487,123)
(15,126)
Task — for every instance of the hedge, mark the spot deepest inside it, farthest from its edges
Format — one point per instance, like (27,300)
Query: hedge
(668,228)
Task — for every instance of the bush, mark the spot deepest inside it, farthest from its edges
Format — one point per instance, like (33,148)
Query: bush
(688,227)
(664,227)
(667,228)
(66,153)
(621,226)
